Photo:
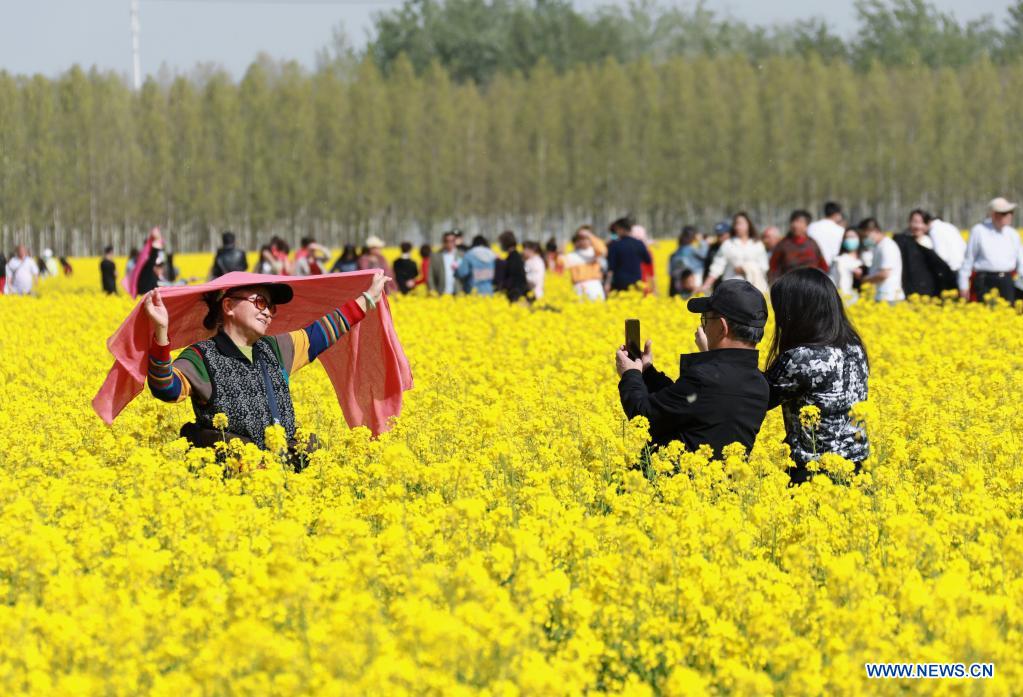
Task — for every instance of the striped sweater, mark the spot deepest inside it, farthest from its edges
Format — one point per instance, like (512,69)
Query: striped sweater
(186,376)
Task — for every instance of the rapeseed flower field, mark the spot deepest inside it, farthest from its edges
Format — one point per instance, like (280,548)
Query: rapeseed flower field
(499,541)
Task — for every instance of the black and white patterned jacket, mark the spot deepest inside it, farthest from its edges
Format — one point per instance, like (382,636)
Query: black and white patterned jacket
(831,378)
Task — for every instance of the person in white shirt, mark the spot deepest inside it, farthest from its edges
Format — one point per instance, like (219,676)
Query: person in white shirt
(848,266)
(828,232)
(21,273)
(947,242)
(742,255)
(886,267)
(993,254)
(536,268)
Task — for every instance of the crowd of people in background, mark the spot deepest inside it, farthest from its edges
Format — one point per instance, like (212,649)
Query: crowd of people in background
(928,257)
(455,268)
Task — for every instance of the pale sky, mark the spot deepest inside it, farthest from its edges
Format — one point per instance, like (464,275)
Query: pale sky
(48,36)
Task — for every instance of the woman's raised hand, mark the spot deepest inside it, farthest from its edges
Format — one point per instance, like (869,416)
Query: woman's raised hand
(157,313)
(376,289)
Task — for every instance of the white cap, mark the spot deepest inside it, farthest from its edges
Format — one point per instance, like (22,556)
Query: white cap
(1001,205)
(374,241)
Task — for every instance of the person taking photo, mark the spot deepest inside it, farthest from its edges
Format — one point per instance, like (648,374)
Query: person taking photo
(720,396)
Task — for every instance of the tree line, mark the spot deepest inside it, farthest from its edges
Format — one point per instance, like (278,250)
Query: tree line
(478,39)
(343,153)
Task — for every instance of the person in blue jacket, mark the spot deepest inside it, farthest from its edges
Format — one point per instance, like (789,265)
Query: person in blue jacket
(478,267)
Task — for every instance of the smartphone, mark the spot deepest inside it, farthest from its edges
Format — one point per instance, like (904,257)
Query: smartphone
(632,341)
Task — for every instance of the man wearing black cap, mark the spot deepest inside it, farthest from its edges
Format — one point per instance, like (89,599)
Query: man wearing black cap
(721,396)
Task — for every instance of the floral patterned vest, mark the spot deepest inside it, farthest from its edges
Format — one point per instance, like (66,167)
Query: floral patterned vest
(239,390)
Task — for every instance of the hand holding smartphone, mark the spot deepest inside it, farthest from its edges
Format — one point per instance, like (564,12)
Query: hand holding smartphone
(633,344)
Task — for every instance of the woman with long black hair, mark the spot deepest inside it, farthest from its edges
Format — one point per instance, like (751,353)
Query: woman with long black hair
(347,261)
(742,255)
(817,359)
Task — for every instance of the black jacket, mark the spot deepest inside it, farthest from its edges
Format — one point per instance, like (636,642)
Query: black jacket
(923,271)
(147,279)
(228,259)
(513,279)
(405,270)
(720,398)
(108,274)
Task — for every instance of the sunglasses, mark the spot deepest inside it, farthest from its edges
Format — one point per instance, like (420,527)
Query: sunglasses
(704,317)
(259,302)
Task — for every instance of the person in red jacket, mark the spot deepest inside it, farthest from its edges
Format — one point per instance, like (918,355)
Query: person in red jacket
(797,250)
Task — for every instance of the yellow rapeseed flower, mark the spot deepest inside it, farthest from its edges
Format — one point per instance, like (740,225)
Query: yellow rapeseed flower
(512,535)
(220,421)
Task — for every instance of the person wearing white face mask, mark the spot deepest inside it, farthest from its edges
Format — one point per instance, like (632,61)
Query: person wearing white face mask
(584,264)
(848,266)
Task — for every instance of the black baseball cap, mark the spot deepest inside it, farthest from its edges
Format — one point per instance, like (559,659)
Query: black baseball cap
(280,294)
(737,300)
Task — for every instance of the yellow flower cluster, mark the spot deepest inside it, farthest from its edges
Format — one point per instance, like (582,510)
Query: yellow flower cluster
(499,540)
